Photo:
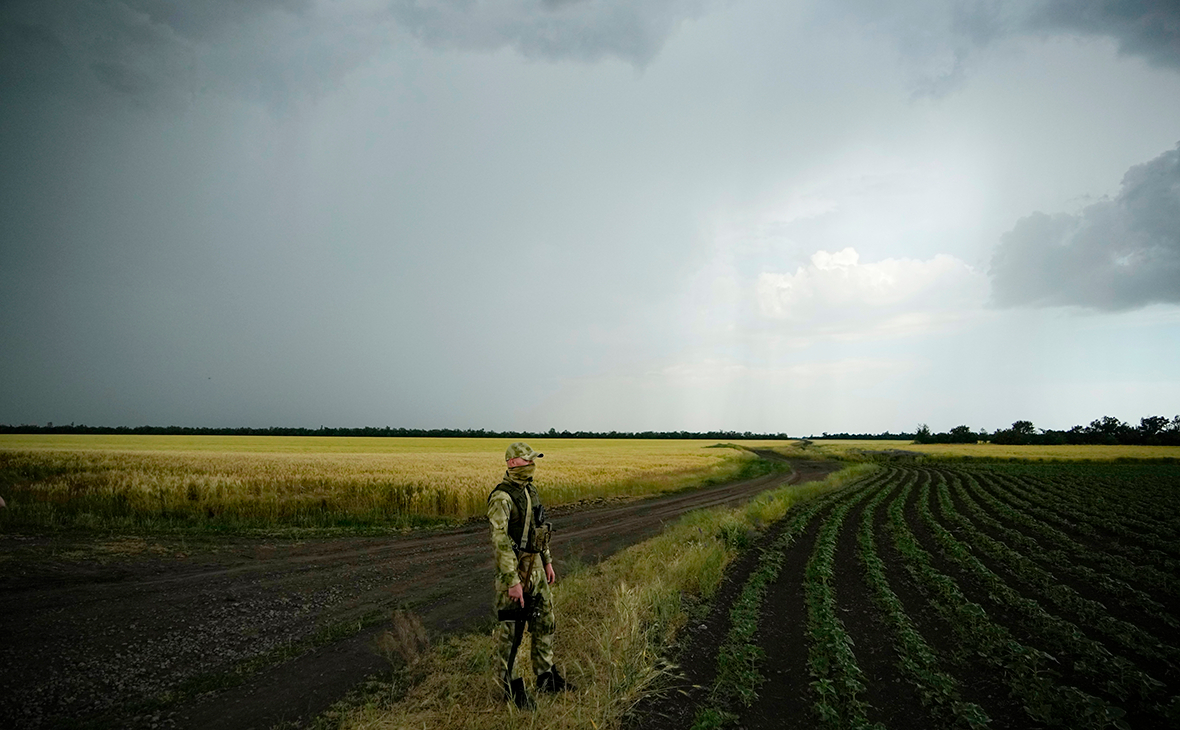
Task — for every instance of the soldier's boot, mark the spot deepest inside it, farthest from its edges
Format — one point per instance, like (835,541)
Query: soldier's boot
(552,681)
(519,696)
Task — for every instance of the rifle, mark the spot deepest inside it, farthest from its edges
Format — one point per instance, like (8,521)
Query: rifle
(520,614)
(533,602)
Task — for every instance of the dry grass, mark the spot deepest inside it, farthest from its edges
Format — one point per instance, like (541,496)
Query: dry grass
(406,643)
(851,449)
(616,622)
(233,482)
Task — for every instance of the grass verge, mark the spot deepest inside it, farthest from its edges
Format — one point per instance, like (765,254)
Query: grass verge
(616,624)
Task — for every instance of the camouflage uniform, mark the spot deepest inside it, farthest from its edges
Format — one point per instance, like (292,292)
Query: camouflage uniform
(506,505)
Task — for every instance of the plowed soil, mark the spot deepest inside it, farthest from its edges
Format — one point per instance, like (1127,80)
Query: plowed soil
(130,632)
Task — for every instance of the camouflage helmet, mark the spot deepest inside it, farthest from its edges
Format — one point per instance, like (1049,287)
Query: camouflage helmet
(521,450)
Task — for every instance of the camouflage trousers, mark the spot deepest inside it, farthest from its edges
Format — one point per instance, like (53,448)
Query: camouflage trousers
(540,629)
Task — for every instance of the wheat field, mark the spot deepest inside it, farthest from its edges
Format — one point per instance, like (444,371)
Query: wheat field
(237,481)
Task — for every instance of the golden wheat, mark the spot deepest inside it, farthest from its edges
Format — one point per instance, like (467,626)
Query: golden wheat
(315,481)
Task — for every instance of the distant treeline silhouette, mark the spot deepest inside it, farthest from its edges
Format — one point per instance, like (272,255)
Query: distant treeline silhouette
(884,436)
(1151,431)
(387,432)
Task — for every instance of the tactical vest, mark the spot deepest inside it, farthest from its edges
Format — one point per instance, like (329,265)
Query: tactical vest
(516,520)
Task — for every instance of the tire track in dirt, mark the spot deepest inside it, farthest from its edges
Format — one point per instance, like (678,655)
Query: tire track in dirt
(94,637)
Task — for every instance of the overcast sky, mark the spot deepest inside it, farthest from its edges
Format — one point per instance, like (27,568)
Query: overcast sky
(589,214)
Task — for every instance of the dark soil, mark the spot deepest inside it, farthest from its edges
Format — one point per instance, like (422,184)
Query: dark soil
(785,699)
(977,683)
(674,706)
(892,700)
(1142,582)
(1086,589)
(967,583)
(247,633)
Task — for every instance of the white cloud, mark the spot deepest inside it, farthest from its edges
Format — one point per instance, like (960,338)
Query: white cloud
(838,296)
(839,279)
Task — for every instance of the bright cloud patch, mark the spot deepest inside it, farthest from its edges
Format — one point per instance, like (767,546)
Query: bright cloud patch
(894,296)
(839,279)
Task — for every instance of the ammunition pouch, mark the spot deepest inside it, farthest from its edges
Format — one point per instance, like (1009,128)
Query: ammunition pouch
(524,570)
(541,536)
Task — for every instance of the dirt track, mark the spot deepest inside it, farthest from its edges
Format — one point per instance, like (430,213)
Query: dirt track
(90,631)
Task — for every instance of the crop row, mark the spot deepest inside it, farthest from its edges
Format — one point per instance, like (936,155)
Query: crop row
(938,690)
(1112,557)
(1017,566)
(1095,523)
(1091,660)
(1040,580)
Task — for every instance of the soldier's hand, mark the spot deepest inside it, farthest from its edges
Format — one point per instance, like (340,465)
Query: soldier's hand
(550,576)
(516,593)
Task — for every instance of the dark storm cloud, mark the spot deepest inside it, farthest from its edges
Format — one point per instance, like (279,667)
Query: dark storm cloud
(1146,28)
(207,20)
(580,30)
(77,47)
(161,51)
(155,51)
(66,48)
(940,38)
(1116,254)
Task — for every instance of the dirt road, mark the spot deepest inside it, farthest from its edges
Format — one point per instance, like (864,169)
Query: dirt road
(91,633)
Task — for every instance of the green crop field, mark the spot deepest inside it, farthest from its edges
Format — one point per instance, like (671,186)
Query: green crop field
(958,595)
(263,482)
(856,449)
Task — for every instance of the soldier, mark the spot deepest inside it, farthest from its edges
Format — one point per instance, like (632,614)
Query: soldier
(524,572)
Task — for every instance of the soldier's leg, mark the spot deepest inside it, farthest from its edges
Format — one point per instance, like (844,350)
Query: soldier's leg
(502,636)
(542,631)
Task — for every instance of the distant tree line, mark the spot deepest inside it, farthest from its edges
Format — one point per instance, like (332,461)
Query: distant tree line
(389,432)
(1151,431)
(884,436)
(957,435)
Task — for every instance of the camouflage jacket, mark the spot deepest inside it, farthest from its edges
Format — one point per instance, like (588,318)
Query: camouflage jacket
(507,521)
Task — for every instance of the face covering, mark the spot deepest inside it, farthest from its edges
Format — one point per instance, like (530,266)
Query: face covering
(521,473)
